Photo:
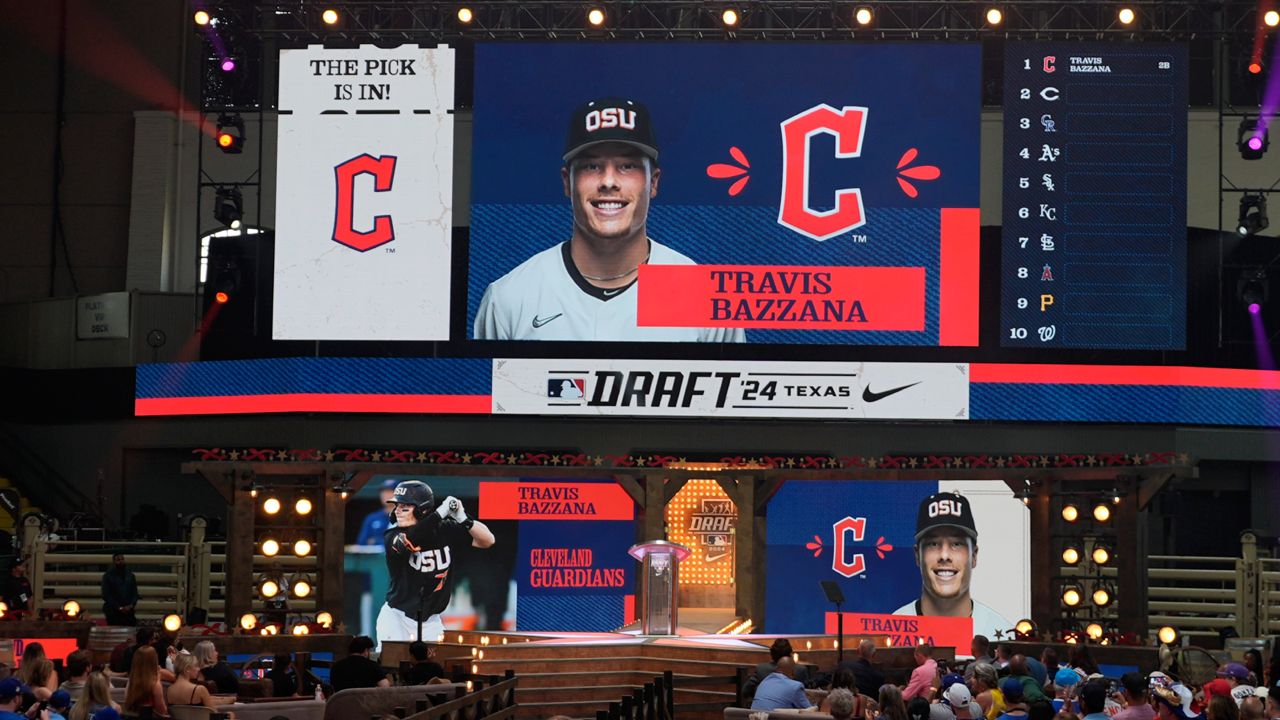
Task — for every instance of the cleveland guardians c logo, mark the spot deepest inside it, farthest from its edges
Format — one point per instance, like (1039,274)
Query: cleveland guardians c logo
(383,170)
(857,564)
(848,125)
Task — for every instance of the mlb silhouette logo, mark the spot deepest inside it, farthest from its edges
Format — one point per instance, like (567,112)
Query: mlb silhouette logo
(566,388)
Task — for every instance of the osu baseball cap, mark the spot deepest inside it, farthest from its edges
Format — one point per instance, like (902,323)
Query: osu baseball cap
(611,119)
(945,510)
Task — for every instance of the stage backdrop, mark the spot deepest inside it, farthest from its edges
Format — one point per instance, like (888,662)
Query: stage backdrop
(828,193)
(861,535)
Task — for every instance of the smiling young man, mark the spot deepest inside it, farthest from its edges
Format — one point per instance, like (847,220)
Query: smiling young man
(584,288)
(947,554)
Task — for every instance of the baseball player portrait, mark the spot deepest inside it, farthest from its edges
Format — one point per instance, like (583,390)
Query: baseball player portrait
(946,551)
(584,288)
(422,542)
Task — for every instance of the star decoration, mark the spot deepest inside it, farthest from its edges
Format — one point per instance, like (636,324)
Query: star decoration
(555,459)
(377,456)
(328,456)
(466,458)
(597,460)
(511,459)
(872,462)
(913,462)
(640,461)
(282,455)
(422,457)
(235,454)
(999,462)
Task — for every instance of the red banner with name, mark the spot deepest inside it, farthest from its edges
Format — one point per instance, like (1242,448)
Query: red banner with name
(554,501)
(908,630)
(782,297)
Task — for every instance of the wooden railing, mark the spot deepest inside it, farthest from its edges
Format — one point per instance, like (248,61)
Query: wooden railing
(656,700)
(495,702)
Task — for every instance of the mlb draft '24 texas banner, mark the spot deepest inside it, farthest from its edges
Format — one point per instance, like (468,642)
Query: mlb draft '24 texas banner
(364,194)
(800,193)
(861,535)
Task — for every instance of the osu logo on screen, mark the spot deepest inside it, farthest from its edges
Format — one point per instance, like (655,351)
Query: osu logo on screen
(610,118)
(383,170)
(848,125)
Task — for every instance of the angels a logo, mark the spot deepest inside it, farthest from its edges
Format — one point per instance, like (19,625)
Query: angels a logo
(846,535)
(714,524)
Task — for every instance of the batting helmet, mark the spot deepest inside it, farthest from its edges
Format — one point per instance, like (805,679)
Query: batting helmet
(415,493)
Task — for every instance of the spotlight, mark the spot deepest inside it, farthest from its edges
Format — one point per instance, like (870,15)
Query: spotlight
(1093,630)
(1070,513)
(253,492)
(300,629)
(1255,67)
(1126,16)
(1115,496)
(1071,637)
(4,609)
(1167,635)
(1252,139)
(863,16)
(1101,512)
(271,505)
(329,16)
(465,16)
(729,17)
(301,588)
(269,588)
(248,621)
(344,492)
(1253,289)
(228,207)
(994,16)
(302,505)
(595,16)
(1102,596)
(173,622)
(228,65)
(202,18)
(230,135)
(1101,554)
(302,548)
(1072,595)
(271,629)
(1071,555)
(221,297)
(1271,18)
(270,547)
(1253,215)
(324,619)
(1025,628)
(1025,495)
(71,608)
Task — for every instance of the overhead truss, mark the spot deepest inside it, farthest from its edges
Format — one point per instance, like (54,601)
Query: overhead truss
(410,20)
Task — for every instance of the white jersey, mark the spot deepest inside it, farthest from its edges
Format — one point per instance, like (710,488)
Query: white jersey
(546,298)
(986,622)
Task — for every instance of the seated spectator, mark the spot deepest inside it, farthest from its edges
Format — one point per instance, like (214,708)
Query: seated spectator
(778,690)
(869,679)
(1137,702)
(214,670)
(59,705)
(356,669)
(1032,689)
(1064,683)
(957,702)
(1014,699)
(77,671)
(1251,709)
(95,699)
(144,692)
(842,679)
(924,676)
(40,676)
(11,692)
(284,681)
(841,703)
(892,706)
(424,669)
(780,648)
(1223,708)
(186,690)
(985,687)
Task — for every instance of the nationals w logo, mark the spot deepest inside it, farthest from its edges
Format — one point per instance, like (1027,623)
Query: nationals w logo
(848,125)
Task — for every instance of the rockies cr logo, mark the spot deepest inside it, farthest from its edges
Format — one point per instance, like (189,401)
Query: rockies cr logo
(383,170)
(848,125)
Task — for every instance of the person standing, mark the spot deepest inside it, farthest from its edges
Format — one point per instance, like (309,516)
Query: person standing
(119,593)
(923,677)
(16,591)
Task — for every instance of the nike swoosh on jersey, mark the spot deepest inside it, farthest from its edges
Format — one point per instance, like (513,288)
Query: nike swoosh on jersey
(539,322)
(869,396)
(611,293)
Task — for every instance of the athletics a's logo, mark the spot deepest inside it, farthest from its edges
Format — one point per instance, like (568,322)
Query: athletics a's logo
(848,125)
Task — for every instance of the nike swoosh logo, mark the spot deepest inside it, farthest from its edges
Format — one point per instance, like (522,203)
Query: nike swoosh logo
(869,396)
(539,322)
(611,293)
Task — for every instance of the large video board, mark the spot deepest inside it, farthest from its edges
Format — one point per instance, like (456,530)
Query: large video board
(820,194)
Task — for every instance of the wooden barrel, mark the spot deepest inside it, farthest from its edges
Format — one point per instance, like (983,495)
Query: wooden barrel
(104,638)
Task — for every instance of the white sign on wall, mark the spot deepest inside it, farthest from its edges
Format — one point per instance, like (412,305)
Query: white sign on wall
(364,182)
(102,316)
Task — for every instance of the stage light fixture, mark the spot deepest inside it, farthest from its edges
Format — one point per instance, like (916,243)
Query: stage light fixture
(1025,494)
(300,629)
(329,16)
(301,588)
(221,297)
(303,505)
(1271,18)
(1253,215)
(1025,628)
(863,16)
(1253,289)
(994,16)
(271,505)
(1071,637)
(248,621)
(1093,630)
(270,547)
(1071,555)
(230,133)
(324,619)
(1115,496)
(729,17)
(1252,139)
(4,609)
(302,548)
(1167,635)
(1072,595)
(595,16)
(253,491)
(1101,512)
(1255,67)
(271,629)
(228,207)
(1102,596)
(71,608)
(1101,554)
(202,18)
(465,15)
(269,588)
(1126,16)
(1070,513)
(173,622)
(228,65)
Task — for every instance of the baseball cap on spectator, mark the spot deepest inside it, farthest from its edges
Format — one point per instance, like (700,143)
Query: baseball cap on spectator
(1177,699)
(1134,683)
(1066,677)
(12,687)
(1093,697)
(1012,689)
(951,679)
(60,700)
(957,695)
(1234,670)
